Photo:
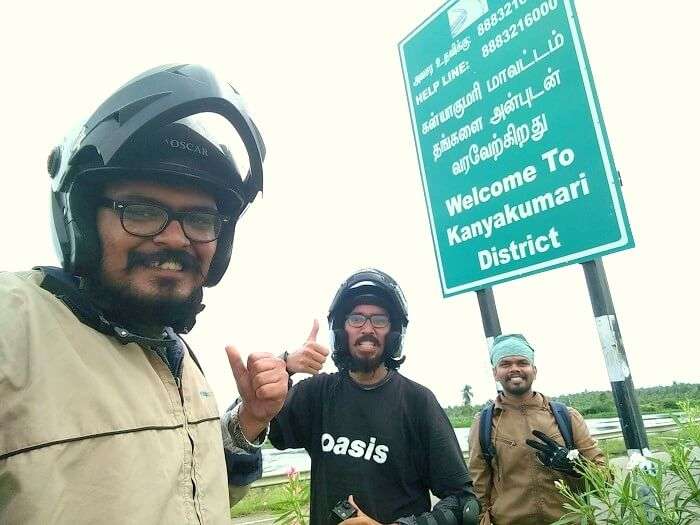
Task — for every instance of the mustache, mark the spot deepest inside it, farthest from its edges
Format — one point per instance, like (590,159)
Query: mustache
(367,337)
(188,261)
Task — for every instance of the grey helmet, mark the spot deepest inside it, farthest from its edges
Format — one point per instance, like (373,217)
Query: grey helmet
(369,286)
(157,127)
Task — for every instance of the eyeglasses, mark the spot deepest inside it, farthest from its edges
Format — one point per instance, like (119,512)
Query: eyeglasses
(148,220)
(359,320)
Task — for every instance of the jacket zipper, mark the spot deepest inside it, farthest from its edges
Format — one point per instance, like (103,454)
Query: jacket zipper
(178,382)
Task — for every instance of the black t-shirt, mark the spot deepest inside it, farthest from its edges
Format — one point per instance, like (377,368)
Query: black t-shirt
(387,446)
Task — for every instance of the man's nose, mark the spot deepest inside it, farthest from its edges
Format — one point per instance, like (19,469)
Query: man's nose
(512,367)
(368,327)
(173,235)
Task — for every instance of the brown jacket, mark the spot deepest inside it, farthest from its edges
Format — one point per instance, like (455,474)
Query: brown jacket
(93,431)
(516,489)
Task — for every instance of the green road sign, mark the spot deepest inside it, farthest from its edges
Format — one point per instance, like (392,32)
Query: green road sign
(516,165)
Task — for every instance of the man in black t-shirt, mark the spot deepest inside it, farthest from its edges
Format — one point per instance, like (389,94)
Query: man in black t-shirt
(376,439)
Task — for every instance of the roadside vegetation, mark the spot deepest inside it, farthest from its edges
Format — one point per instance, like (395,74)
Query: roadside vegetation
(667,494)
(655,400)
(596,404)
(275,499)
(288,502)
(264,499)
(663,491)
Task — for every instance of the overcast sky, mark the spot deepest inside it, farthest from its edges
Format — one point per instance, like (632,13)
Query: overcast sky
(323,81)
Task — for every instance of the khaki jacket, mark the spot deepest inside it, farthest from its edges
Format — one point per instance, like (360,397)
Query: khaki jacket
(517,489)
(93,431)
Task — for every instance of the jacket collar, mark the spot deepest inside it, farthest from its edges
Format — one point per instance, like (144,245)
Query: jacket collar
(536,401)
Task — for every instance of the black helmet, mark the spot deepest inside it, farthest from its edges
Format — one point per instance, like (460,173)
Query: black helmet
(167,124)
(369,286)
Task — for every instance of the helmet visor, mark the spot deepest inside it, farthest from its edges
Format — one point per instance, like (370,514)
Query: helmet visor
(219,139)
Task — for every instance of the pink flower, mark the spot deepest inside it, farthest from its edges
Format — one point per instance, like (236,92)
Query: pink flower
(292,473)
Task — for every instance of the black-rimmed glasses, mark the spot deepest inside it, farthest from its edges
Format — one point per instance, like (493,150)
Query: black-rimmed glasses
(359,320)
(148,220)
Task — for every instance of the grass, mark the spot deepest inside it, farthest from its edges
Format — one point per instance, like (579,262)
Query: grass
(263,499)
(616,447)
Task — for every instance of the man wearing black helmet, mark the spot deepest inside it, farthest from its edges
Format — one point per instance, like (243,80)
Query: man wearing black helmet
(106,416)
(379,442)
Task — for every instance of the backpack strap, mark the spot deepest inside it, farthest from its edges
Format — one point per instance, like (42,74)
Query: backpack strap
(563,419)
(488,451)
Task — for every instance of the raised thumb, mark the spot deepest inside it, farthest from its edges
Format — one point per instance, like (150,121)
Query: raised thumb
(234,359)
(313,333)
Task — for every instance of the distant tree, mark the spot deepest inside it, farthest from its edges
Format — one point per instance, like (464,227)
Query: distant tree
(467,395)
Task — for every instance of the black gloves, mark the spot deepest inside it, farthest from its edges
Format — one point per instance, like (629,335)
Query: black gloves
(551,454)
(470,515)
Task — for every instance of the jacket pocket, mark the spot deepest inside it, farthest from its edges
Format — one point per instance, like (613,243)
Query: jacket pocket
(503,446)
(505,441)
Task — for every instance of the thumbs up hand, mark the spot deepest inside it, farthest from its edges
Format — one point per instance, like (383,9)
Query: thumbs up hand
(310,357)
(262,386)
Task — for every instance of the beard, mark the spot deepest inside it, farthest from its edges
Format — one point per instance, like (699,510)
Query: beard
(121,303)
(366,365)
(517,390)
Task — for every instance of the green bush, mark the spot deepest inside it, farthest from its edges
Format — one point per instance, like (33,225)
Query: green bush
(664,492)
(295,507)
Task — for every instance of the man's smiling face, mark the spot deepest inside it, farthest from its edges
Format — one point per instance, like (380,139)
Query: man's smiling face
(516,375)
(164,267)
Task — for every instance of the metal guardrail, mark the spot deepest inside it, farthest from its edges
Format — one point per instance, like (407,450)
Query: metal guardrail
(279,479)
(612,434)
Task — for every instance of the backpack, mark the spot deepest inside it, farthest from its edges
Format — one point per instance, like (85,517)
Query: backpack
(559,411)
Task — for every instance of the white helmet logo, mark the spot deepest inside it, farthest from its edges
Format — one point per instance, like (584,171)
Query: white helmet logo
(189,146)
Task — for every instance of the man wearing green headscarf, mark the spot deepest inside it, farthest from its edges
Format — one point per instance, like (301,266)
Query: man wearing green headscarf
(514,472)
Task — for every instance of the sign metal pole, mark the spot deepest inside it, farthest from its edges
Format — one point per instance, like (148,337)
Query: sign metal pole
(623,391)
(489,318)
(489,314)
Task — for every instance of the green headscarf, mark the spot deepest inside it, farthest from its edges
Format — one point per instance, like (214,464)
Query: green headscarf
(509,345)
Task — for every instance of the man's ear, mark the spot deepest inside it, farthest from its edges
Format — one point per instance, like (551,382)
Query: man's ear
(494,372)
(534,370)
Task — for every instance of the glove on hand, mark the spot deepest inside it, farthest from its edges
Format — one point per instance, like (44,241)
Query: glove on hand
(551,454)
(470,515)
